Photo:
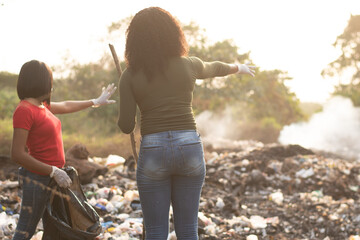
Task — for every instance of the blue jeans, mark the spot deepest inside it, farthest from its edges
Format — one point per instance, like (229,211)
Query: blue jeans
(171,169)
(34,199)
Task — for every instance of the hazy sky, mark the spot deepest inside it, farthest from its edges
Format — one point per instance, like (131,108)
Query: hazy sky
(290,35)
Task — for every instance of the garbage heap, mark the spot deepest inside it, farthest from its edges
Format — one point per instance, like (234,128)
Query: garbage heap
(252,191)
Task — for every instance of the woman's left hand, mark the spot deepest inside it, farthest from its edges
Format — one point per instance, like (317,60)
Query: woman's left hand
(105,95)
(246,69)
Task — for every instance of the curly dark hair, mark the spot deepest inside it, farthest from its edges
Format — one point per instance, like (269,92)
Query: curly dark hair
(153,37)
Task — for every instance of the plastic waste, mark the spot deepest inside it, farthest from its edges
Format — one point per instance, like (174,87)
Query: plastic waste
(72,218)
(114,161)
(135,204)
(204,219)
(354,237)
(130,195)
(7,210)
(252,237)
(101,207)
(110,207)
(107,224)
(7,224)
(220,203)
(277,197)
(257,222)
(305,173)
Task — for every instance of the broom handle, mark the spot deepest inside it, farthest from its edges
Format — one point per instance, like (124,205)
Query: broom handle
(118,68)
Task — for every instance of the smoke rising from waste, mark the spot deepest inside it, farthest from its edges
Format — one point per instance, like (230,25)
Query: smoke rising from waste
(220,129)
(336,129)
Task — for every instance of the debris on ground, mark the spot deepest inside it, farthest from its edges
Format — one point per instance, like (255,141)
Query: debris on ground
(252,191)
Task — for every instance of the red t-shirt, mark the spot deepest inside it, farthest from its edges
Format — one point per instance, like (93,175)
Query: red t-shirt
(44,141)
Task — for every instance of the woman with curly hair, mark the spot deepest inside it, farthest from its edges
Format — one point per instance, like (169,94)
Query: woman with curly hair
(160,79)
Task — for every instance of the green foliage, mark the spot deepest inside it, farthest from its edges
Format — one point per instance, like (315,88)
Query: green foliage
(264,102)
(310,108)
(266,130)
(6,131)
(271,98)
(84,81)
(8,102)
(8,80)
(84,122)
(351,91)
(348,61)
(101,146)
(349,43)
(8,95)
(260,105)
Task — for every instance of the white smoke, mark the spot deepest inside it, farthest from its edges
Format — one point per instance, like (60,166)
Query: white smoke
(220,129)
(215,125)
(336,129)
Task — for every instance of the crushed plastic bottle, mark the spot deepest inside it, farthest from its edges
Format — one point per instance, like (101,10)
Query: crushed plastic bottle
(305,173)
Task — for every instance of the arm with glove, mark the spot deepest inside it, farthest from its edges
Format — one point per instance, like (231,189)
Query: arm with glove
(74,106)
(20,156)
(205,70)
(243,69)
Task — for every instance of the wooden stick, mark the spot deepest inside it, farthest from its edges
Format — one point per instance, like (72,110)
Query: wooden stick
(132,137)
(118,68)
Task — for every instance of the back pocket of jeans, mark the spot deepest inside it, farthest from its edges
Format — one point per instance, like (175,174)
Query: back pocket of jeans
(151,159)
(192,158)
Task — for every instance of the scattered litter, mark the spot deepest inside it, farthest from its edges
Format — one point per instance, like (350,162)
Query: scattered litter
(252,191)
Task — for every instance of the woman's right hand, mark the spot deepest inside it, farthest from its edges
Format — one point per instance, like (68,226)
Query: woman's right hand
(105,95)
(61,177)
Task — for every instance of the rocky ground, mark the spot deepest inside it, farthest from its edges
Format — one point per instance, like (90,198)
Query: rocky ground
(252,191)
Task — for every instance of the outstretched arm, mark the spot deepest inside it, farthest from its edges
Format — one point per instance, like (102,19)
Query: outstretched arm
(75,106)
(69,106)
(205,70)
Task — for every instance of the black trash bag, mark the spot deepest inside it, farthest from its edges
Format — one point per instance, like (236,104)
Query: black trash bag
(71,218)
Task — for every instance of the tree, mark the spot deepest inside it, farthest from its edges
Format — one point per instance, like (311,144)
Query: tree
(8,80)
(348,61)
(261,105)
(8,95)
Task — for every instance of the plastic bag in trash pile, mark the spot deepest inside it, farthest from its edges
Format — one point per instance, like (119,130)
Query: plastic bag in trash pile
(71,218)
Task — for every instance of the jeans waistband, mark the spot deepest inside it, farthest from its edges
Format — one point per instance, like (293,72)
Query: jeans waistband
(168,134)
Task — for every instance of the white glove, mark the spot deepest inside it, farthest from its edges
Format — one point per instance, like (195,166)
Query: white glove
(246,69)
(105,95)
(61,177)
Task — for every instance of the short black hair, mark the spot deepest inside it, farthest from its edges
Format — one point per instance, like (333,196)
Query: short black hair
(35,80)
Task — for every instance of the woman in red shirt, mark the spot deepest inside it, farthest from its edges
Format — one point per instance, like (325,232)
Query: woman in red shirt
(38,130)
